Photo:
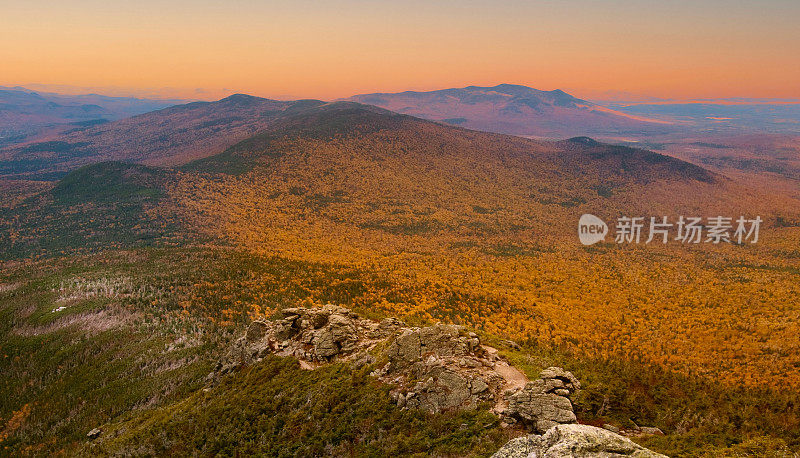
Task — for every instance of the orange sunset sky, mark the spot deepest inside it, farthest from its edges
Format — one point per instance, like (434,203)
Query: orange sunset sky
(313,49)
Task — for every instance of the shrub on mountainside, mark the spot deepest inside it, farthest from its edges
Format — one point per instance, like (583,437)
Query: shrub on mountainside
(274,408)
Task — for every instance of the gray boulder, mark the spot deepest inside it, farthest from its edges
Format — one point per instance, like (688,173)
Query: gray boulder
(520,447)
(440,368)
(574,441)
(257,330)
(95,433)
(544,403)
(440,340)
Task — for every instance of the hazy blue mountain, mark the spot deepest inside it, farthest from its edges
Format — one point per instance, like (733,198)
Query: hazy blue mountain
(25,114)
(517,110)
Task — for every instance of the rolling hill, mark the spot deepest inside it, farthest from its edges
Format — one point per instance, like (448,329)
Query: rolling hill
(324,162)
(169,136)
(517,110)
(361,148)
(108,205)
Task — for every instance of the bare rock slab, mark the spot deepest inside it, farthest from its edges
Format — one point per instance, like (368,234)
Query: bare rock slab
(574,441)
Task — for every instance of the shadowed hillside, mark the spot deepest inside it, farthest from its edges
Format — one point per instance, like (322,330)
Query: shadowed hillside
(98,207)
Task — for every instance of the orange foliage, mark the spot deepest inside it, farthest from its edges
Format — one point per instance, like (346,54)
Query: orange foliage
(473,214)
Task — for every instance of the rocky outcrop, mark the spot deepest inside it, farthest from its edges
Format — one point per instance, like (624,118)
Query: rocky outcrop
(435,368)
(312,335)
(574,441)
(441,368)
(544,402)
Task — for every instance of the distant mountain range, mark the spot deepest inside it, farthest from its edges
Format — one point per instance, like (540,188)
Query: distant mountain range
(168,136)
(180,134)
(28,117)
(25,113)
(56,134)
(517,110)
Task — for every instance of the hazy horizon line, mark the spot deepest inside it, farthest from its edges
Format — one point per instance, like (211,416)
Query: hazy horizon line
(205,94)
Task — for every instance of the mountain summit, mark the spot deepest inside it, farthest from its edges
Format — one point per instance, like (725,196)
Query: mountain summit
(514,109)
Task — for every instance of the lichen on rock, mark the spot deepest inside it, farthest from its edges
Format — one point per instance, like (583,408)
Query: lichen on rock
(435,368)
(574,441)
(544,402)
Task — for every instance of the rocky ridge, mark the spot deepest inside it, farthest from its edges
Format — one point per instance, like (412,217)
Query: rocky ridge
(436,368)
